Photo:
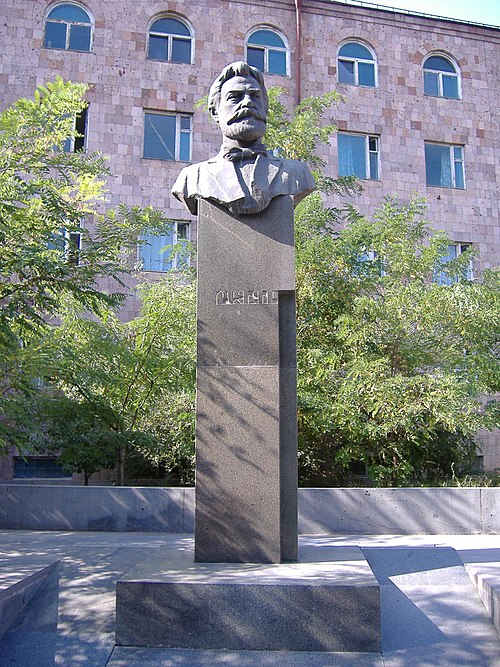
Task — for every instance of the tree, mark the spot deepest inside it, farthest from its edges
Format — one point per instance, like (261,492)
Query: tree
(107,377)
(392,364)
(55,241)
(77,432)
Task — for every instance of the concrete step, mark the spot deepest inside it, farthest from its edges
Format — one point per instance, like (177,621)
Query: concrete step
(18,585)
(328,601)
(483,567)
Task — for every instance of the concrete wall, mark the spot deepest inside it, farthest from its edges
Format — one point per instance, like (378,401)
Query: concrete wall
(143,509)
(436,511)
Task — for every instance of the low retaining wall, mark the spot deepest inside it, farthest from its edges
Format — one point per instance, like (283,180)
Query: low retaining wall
(431,511)
(435,511)
(113,508)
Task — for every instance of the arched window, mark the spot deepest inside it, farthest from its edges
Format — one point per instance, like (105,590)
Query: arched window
(68,27)
(170,40)
(357,65)
(267,51)
(441,78)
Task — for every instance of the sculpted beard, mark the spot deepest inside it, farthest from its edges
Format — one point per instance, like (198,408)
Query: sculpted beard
(246,125)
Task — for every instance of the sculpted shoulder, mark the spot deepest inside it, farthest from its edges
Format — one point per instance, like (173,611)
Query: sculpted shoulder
(219,180)
(187,185)
(299,178)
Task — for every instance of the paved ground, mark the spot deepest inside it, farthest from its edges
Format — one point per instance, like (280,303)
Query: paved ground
(431,613)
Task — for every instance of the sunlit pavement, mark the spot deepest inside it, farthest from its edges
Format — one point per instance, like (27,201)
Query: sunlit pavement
(432,615)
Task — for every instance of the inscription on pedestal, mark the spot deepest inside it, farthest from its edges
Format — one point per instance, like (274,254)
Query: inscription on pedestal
(249,297)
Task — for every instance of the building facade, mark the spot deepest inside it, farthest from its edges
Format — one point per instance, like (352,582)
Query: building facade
(420,112)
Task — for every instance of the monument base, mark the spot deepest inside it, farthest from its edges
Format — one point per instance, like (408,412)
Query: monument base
(328,601)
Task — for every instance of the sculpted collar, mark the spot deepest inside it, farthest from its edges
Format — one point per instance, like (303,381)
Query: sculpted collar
(235,153)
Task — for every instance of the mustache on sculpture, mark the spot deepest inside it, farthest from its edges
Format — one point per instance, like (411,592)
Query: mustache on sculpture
(246,113)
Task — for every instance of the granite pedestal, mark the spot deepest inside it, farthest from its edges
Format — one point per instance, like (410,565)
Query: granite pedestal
(246,416)
(327,601)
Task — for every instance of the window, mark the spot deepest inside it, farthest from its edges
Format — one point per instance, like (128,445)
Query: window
(74,244)
(68,27)
(373,261)
(441,78)
(78,143)
(167,136)
(444,165)
(170,40)
(157,254)
(463,272)
(358,155)
(356,65)
(68,242)
(267,51)
(33,467)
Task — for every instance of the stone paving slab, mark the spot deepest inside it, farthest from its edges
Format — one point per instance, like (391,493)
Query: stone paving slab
(424,623)
(431,613)
(143,657)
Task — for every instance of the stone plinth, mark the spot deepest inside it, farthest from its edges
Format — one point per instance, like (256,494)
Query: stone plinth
(310,605)
(246,432)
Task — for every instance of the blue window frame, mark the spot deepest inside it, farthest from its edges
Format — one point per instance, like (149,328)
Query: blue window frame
(78,143)
(157,252)
(67,242)
(444,165)
(68,27)
(441,78)
(357,65)
(358,155)
(167,136)
(170,40)
(465,272)
(38,467)
(267,51)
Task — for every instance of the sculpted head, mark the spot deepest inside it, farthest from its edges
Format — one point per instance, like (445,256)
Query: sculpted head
(238,102)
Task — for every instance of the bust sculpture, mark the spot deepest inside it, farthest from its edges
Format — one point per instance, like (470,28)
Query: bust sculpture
(243,177)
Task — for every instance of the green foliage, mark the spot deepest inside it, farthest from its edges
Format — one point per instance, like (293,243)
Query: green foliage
(121,381)
(299,136)
(48,199)
(392,365)
(491,478)
(74,431)
(171,422)
(47,196)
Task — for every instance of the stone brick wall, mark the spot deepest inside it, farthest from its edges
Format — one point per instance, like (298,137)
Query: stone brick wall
(125,84)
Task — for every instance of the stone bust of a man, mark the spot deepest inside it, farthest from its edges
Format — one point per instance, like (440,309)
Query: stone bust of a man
(243,177)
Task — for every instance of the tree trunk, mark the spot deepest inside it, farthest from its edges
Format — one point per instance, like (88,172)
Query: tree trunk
(394,474)
(120,470)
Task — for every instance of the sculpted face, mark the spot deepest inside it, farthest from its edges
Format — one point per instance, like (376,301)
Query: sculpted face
(242,110)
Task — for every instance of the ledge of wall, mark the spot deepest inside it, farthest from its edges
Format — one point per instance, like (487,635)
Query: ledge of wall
(431,511)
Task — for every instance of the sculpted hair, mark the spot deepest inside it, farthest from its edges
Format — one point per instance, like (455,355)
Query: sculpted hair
(238,68)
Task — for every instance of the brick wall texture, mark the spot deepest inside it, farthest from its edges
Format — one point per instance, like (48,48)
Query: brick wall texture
(125,84)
